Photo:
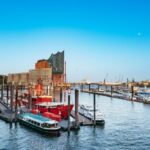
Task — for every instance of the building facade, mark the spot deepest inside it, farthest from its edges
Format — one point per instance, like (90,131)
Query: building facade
(50,72)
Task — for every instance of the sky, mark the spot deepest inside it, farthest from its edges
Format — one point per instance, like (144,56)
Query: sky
(101,38)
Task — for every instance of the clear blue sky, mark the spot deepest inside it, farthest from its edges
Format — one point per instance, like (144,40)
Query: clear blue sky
(101,38)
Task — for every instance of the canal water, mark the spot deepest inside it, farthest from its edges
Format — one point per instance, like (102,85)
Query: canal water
(127,128)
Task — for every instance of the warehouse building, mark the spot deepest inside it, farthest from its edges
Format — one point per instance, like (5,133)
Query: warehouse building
(50,71)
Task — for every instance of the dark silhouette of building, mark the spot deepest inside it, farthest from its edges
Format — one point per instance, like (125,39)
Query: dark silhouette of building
(57,62)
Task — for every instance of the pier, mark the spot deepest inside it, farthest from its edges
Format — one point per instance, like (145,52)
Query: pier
(119,91)
(83,121)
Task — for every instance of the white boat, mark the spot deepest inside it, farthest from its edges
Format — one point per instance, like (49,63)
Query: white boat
(88,112)
(40,123)
(143,91)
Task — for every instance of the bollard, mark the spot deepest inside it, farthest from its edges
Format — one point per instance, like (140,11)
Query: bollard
(76,108)
(94,110)
(68,114)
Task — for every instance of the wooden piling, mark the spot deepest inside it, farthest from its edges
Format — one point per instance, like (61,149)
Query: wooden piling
(16,104)
(2,92)
(11,97)
(7,90)
(68,114)
(76,108)
(111,90)
(132,91)
(89,87)
(94,104)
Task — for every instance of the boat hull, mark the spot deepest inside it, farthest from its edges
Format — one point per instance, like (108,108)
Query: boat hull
(58,110)
(41,130)
(100,122)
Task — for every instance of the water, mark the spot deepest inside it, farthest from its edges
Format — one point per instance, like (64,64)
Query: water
(127,127)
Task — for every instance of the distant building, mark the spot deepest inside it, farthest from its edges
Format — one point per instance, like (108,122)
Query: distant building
(42,64)
(18,78)
(3,79)
(42,70)
(44,74)
(50,71)
(57,62)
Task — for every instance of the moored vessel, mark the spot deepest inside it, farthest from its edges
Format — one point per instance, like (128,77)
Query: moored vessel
(40,123)
(88,112)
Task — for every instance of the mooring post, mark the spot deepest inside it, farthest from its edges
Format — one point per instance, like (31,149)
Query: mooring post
(132,91)
(111,90)
(89,87)
(76,108)
(11,97)
(94,110)
(68,114)
(2,92)
(7,93)
(16,104)
(60,94)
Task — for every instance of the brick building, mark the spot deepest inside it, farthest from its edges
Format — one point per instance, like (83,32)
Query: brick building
(50,71)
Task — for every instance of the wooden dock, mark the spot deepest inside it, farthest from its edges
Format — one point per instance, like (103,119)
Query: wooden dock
(135,99)
(8,116)
(82,120)
(5,113)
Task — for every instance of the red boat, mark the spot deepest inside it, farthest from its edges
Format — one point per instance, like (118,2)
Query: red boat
(55,108)
(52,116)
(40,99)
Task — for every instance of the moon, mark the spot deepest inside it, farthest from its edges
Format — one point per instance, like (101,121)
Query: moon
(139,33)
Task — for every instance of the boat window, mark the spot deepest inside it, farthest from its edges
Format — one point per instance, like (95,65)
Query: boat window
(53,126)
(48,125)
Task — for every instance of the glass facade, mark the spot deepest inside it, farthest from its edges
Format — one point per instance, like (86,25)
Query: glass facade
(57,62)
